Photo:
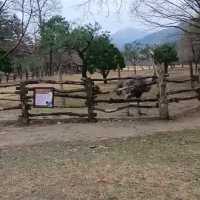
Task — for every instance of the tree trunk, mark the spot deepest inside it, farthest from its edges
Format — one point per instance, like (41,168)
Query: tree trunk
(50,61)
(154,70)
(196,68)
(105,75)
(135,69)
(166,68)
(84,65)
(105,80)
(60,78)
(26,74)
(21,75)
(119,72)
(7,77)
(84,71)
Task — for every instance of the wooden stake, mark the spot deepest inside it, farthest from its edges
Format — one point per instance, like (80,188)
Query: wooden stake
(90,102)
(24,118)
(163,101)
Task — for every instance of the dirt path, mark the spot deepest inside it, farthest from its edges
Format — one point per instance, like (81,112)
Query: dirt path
(34,134)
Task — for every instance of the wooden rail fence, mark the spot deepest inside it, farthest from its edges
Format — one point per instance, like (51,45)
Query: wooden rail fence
(89,93)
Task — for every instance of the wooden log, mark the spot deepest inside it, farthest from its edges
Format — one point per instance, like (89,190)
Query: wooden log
(24,118)
(178,99)
(191,74)
(112,101)
(178,81)
(58,114)
(123,78)
(125,107)
(13,93)
(69,91)
(9,85)
(5,99)
(66,107)
(197,90)
(163,102)
(70,96)
(180,91)
(53,82)
(11,108)
(90,102)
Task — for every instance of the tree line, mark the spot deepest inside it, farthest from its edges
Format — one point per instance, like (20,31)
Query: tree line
(38,42)
(181,14)
(55,46)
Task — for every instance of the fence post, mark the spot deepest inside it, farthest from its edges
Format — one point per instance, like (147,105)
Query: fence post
(90,102)
(24,118)
(191,74)
(163,101)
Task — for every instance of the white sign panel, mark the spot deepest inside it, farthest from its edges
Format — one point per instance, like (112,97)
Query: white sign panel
(43,97)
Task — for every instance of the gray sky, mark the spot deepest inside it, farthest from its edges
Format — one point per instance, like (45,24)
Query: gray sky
(109,21)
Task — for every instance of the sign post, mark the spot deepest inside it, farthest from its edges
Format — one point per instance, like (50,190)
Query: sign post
(43,97)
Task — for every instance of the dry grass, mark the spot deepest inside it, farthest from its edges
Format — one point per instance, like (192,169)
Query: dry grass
(163,166)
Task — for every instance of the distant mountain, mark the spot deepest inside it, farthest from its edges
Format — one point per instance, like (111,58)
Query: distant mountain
(169,35)
(126,36)
(129,35)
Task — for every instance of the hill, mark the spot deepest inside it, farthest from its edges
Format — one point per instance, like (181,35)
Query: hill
(128,35)
(169,35)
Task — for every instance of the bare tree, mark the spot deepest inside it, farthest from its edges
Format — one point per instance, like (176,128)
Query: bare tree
(169,13)
(25,11)
(28,11)
(3,5)
(161,13)
(43,10)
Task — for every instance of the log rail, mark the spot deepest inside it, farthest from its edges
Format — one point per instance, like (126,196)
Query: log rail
(86,91)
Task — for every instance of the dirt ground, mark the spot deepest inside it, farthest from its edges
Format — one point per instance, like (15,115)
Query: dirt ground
(11,135)
(156,167)
(184,115)
(130,159)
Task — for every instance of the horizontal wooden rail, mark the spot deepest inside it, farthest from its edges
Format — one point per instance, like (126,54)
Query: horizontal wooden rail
(111,101)
(176,100)
(5,99)
(8,85)
(32,82)
(59,113)
(10,108)
(183,91)
(125,107)
(65,107)
(69,91)
(13,93)
(178,81)
(123,78)
(70,96)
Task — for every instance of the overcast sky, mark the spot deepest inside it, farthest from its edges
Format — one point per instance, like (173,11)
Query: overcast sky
(109,21)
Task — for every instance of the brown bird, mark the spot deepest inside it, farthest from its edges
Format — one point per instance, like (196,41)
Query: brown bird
(134,88)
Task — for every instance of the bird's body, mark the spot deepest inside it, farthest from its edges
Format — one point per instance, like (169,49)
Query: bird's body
(133,88)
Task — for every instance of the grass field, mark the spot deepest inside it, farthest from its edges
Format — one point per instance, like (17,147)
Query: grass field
(158,167)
